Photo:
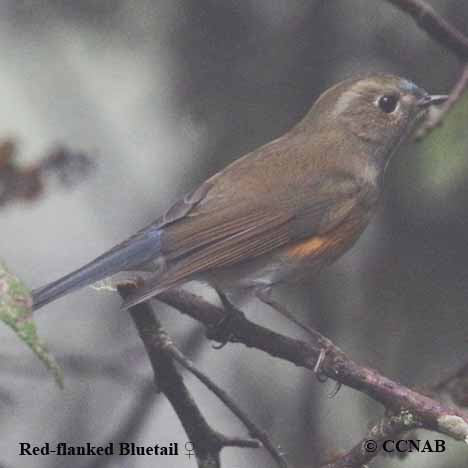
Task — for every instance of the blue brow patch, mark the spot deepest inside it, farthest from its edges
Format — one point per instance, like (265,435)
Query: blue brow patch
(409,86)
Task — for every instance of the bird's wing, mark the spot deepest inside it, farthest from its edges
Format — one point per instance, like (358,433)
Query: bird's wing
(215,233)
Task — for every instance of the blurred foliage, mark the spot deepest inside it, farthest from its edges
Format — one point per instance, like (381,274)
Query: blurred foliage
(18,183)
(444,164)
(15,311)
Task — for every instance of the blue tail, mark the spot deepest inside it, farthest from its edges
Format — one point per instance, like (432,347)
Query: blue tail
(136,251)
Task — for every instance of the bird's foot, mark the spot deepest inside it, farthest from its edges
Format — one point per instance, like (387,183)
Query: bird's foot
(264,295)
(318,371)
(223,331)
(320,374)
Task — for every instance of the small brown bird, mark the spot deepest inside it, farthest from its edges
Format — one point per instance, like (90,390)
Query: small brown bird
(281,212)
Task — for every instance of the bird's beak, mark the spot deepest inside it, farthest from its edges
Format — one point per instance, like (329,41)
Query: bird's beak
(430,100)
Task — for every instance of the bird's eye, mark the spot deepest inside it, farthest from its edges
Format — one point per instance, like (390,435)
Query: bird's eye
(388,102)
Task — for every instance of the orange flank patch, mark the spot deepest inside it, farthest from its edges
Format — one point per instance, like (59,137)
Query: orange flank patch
(308,247)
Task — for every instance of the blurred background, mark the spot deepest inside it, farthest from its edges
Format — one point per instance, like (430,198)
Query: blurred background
(161,94)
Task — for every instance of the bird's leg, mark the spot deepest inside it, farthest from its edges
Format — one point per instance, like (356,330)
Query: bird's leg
(264,295)
(223,330)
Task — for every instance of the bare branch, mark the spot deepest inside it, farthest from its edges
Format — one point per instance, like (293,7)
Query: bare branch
(253,429)
(436,26)
(369,447)
(336,365)
(391,426)
(449,37)
(207,442)
(435,118)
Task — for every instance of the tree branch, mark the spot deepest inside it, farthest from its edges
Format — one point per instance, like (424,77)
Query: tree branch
(426,411)
(253,429)
(435,118)
(392,426)
(449,37)
(207,442)
(370,446)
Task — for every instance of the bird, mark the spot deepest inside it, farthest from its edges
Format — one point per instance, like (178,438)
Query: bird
(282,212)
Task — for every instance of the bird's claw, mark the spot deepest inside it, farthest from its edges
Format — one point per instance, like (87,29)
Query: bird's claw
(223,330)
(318,371)
(320,374)
(335,391)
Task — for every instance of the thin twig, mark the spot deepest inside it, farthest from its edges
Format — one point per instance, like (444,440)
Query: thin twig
(436,26)
(253,429)
(449,37)
(369,447)
(435,118)
(390,427)
(266,298)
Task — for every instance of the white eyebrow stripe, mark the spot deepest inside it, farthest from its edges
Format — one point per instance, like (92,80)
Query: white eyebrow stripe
(343,102)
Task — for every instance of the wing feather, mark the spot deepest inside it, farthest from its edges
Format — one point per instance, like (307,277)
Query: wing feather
(249,243)
(243,215)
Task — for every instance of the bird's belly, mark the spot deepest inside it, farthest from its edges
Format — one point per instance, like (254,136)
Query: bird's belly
(260,272)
